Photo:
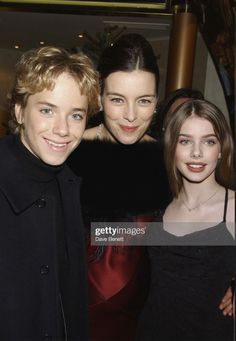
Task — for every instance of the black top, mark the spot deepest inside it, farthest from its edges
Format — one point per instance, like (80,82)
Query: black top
(35,168)
(120,180)
(187,285)
(41,172)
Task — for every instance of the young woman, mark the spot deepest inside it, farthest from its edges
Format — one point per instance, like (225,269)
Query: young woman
(191,273)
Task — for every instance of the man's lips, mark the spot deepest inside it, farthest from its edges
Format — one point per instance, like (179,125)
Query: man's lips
(128,129)
(58,146)
(196,167)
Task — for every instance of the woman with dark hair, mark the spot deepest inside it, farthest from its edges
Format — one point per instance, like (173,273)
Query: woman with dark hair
(119,163)
(195,263)
(129,77)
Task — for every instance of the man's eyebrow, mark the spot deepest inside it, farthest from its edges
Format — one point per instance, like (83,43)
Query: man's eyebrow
(55,106)
(47,103)
(80,109)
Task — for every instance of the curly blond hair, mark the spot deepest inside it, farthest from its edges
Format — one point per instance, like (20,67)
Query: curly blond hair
(39,68)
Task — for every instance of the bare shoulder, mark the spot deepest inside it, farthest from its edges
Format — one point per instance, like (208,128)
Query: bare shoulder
(230,217)
(90,134)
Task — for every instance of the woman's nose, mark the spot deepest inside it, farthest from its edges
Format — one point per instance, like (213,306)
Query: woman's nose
(130,113)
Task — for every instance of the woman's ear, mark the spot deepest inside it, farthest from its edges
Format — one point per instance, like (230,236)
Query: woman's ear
(219,156)
(19,113)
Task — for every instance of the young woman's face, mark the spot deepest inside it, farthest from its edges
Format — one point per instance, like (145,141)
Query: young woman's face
(129,100)
(198,150)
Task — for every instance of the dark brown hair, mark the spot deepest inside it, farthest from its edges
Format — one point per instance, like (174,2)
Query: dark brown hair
(130,52)
(208,111)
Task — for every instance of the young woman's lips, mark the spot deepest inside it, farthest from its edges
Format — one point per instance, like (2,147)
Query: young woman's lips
(128,129)
(196,167)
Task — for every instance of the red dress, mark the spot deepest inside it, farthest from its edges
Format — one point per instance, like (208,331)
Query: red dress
(118,284)
(120,182)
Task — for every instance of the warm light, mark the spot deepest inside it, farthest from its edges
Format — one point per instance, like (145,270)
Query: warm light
(41,42)
(80,36)
(17,46)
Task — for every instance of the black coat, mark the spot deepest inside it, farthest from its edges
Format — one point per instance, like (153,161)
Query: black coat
(28,257)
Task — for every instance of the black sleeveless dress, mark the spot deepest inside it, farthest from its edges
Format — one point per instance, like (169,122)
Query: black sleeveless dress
(187,285)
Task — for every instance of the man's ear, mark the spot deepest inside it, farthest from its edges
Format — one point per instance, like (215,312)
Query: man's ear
(19,113)
(100,103)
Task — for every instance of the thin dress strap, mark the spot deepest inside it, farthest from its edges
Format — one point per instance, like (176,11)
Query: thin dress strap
(226,205)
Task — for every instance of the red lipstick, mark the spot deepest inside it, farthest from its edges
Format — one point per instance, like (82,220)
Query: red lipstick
(196,167)
(128,129)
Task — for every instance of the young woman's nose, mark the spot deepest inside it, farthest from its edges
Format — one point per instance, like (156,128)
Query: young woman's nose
(196,151)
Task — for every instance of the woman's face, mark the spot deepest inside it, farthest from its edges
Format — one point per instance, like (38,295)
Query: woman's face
(129,100)
(197,150)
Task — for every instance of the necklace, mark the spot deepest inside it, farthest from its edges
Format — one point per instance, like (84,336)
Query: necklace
(200,204)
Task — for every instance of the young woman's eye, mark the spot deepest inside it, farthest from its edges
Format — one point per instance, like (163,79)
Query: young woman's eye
(46,111)
(209,142)
(184,142)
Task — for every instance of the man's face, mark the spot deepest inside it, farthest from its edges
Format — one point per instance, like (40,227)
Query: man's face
(53,121)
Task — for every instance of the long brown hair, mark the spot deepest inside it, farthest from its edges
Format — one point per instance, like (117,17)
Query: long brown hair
(204,109)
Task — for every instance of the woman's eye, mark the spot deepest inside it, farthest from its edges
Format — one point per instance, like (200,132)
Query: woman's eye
(116,100)
(145,101)
(47,111)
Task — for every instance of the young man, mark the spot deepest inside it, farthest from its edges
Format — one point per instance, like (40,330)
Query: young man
(43,291)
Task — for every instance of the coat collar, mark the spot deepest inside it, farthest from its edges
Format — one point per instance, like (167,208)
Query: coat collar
(18,187)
